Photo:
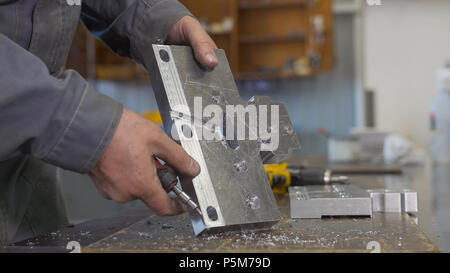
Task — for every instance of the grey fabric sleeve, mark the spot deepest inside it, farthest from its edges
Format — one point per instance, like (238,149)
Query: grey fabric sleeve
(130,27)
(62,121)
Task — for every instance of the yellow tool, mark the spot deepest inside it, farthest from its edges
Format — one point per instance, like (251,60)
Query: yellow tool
(153,115)
(282,176)
(279,177)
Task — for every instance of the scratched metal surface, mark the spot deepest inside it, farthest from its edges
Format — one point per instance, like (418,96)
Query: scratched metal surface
(394,233)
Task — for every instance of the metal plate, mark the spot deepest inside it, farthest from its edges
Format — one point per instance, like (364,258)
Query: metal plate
(335,200)
(232,189)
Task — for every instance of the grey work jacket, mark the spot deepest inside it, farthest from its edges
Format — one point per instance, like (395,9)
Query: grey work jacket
(53,116)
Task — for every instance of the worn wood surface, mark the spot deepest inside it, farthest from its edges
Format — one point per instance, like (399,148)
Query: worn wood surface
(137,230)
(393,232)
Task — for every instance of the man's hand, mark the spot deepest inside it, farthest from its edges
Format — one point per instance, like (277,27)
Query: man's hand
(188,31)
(127,169)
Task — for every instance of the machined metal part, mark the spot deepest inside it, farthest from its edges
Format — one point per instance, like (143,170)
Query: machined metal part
(314,202)
(232,190)
(348,200)
(288,140)
(394,201)
(410,203)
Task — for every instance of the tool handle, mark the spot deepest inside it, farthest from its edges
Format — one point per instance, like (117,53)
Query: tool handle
(306,176)
(167,176)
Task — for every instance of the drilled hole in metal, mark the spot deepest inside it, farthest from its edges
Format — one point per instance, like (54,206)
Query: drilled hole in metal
(231,143)
(241,166)
(164,55)
(218,97)
(187,131)
(253,201)
(288,129)
(212,213)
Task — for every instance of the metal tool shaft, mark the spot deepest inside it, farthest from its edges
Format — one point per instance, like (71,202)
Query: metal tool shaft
(186,199)
(169,179)
(302,176)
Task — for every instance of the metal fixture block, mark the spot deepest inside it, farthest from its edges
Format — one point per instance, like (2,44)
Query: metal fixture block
(232,189)
(394,201)
(332,200)
(385,201)
(410,203)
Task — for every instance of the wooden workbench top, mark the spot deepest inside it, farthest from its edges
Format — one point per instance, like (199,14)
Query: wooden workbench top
(137,230)
(393,232)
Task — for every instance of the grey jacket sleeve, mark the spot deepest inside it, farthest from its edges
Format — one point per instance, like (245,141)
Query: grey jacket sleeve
(130,27)
(62,121)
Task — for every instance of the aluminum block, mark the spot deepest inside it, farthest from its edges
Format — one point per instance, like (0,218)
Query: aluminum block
(315,202)
(384,200)
(232,189)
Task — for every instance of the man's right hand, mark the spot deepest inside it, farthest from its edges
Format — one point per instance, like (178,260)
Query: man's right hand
(127,170)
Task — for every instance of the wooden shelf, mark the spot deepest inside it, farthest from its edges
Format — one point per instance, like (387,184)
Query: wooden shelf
(216,11)
(271,39)
(265,37)
(121,72)
(269,5)
(220,33)
(269,75)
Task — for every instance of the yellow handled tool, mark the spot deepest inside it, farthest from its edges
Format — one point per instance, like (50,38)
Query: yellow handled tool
(279,177)
(282,176)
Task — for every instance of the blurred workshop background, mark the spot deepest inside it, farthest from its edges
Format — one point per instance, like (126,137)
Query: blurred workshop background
(362,80)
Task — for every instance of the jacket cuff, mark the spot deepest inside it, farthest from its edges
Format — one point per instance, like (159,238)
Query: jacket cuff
(163,14)
(88,133)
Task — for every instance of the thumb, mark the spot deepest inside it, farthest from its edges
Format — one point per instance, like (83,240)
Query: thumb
(204,53)
(201,43)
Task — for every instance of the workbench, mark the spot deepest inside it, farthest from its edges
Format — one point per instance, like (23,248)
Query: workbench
(138,230)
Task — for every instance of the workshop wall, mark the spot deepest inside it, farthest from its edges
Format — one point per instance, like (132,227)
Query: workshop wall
(405,43)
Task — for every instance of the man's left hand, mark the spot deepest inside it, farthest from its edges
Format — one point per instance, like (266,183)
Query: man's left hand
(188,31)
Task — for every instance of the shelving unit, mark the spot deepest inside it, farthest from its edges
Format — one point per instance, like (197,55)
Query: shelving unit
(278,38)
(273,38)
(215,11)
(256,4)
(270,39)
(263,39)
